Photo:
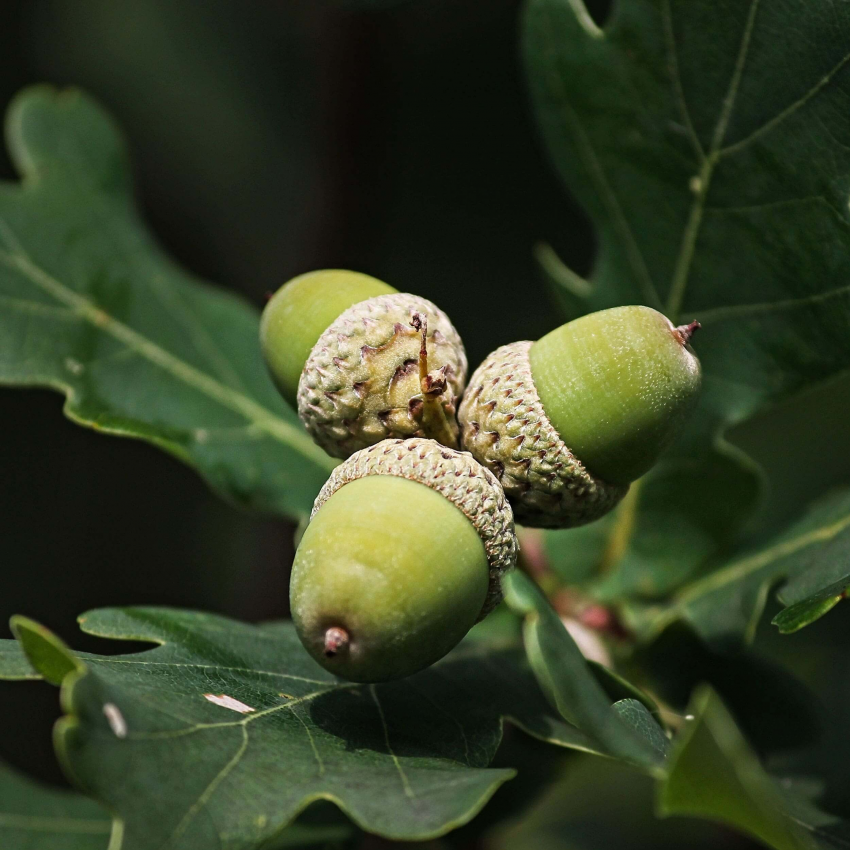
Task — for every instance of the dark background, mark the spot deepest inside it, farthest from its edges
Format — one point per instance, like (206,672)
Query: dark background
(271,138)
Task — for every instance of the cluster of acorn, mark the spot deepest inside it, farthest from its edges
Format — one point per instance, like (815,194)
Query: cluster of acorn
(411,534)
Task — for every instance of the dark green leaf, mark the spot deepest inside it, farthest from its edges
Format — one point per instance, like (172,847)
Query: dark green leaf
(725,605)
(36,817)
(567,679)
(774,709)
(713,774)
(90,306)
(636,715)
(231,730)
(708,142)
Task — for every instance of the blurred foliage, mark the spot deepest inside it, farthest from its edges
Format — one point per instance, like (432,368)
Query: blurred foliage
(297,135)
(393,138)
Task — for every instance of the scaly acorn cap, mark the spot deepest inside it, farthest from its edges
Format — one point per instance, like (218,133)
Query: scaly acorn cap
(503,424)
(455,475)
(389,366)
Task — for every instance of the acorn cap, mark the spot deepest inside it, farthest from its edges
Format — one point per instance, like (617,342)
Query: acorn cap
(504,425)
(365,378)
(453,474)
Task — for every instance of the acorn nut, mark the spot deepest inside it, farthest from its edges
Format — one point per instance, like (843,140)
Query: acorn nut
(566,423)
(403,554)
(363,362)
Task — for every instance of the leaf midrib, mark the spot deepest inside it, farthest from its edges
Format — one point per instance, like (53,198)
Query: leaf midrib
(717,152)
(740,569)
(690,234)
(255,413)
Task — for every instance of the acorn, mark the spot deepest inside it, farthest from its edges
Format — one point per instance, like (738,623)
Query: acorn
(404,553)
(568,422)
(363,362)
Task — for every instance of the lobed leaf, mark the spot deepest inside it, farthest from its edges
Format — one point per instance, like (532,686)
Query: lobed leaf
(708,142)
(225,732)
(90,306)
(724,607)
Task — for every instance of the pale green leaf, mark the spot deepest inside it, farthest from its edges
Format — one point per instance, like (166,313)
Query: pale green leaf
(90,306)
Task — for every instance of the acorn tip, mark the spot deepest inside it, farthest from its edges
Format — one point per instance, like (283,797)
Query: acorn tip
(336,639)
(687,331)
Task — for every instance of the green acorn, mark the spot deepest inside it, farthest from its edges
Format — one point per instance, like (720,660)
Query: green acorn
(363,362)
(566,423)
(404,552)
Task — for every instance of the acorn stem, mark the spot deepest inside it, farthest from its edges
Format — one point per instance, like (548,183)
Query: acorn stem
(433,385)
(687,331)
(336,639)
(420,323)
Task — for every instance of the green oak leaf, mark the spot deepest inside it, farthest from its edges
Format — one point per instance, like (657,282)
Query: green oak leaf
(225,731)
(36,817)
(724,607)
(570,683)
(710,143)
(92,307)
(713,774)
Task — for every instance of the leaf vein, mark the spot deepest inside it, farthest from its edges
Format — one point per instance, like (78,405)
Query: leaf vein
(690,234)
(312,740)
(735,572)
(198,334)
(207,793)
(173,365)
(106,660)
(405,782)
(720,314)
(736,147)
(676,77)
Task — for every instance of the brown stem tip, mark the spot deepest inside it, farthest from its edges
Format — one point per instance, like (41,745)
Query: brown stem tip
(685,332)
(433,384)
(336,639)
